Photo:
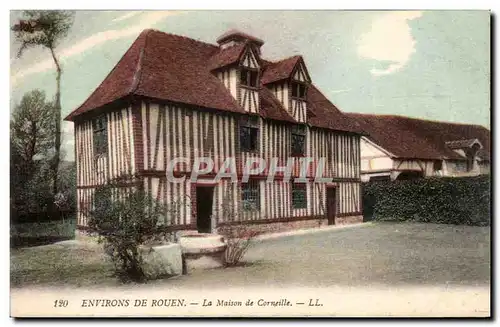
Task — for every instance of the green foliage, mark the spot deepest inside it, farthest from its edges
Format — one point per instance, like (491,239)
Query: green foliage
(460,201)
(46,28)
(32,128)
(124,223)
(47,229)
(67,187)
(42,28)
(32,135)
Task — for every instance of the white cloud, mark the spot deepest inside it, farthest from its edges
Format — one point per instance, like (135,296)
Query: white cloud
(389,39)
(340,91)
(147,20)
(126,16)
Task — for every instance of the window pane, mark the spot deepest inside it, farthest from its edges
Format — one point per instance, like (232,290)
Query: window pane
(250,196)
(100,135)
(254,136)
(302,91)
(244,77)
(299,196)
(298,144)
(244,138)
(249,138)
(294,89)
(253,78)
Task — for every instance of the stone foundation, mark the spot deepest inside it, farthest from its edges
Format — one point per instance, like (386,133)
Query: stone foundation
(267,227)
(277,227)
(348,220)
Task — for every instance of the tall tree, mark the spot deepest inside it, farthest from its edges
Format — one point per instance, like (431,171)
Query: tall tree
(32,128)
(46,28)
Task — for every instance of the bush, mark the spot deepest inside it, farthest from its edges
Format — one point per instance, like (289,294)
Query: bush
(460,201)
(34,234)
(124,223)
(238,240)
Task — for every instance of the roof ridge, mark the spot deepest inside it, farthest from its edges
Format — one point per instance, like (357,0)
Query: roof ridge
(182,37)
(413,118)
(281,60)
(138,69)
(145,33)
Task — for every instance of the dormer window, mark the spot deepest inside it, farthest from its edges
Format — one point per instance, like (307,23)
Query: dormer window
(298,90)
(249,77)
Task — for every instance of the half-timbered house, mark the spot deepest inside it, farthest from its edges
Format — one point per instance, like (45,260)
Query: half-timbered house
(173,97)
(398,147)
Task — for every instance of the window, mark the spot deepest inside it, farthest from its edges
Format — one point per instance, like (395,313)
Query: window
(298,90)
(100,140)
(438,165)
(250,196)
(298,141)
(299,196)
(249,134)
(248,77)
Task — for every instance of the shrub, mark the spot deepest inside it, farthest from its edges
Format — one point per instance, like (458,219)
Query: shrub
(464,201)
(123,224)
(238,240)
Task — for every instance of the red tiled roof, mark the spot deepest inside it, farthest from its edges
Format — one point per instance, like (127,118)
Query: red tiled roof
(407,137)
(119,82)
(460,144)
(226,56)
(326,115)
(271,108)
(277,71)
(234,33)
(167,67)
(176,68)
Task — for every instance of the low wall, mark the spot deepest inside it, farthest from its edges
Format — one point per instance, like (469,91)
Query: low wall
(269,226)
(348,220)
(277,227)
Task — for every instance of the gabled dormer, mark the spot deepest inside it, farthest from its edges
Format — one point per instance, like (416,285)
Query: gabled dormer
(249,82)
(467,148)
(289,80)
(237,65)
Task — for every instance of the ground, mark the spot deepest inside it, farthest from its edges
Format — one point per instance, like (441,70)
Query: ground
(376,253)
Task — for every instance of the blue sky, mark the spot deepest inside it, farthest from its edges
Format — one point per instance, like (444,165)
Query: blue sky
(425,64)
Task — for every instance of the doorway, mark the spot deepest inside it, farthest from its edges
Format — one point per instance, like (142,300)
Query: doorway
(204,199)
(331,204)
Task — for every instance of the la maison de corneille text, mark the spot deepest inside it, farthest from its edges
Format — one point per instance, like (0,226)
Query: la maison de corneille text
(89,303)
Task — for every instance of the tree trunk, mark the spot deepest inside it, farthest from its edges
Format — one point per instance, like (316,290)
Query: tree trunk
(55,161)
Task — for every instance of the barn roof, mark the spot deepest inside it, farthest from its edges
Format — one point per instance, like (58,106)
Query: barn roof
(407,137)
(169,67)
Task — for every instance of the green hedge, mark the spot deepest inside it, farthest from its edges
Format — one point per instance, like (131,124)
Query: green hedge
(460,201)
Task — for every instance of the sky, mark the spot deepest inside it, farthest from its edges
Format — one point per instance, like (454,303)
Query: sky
(424,64)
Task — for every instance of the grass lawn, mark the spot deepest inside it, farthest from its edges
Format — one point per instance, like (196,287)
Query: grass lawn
(371,254)
(71,263)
